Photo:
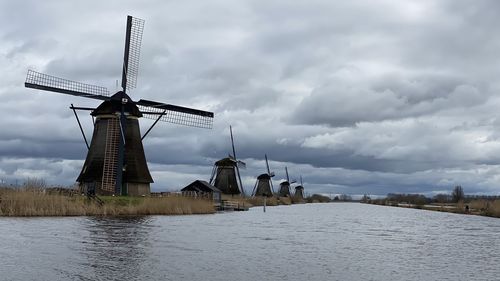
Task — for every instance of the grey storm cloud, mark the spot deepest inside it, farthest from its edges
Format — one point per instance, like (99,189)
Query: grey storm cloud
(345,104)
(357,97)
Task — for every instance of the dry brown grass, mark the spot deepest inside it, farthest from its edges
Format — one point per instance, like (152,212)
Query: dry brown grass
(244,201)
(298,200)
(36,203)
(284,201)
(259,201)
(485,207)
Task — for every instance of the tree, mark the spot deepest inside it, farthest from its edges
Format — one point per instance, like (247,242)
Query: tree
(442,198)
(457,194)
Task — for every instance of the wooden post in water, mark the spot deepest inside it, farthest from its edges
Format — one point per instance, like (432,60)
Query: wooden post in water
(265,197)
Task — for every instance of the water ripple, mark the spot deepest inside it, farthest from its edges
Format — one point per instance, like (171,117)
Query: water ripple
(346,242)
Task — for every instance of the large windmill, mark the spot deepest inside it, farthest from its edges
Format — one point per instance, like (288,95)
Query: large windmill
(115,162)
(264,184)
(226,173)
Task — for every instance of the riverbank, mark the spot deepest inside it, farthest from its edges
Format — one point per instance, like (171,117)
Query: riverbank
(38,203)
(474,207)
(34,201)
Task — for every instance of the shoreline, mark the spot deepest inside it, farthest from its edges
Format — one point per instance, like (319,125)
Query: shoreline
(35,202)
(475,208)
(39,204)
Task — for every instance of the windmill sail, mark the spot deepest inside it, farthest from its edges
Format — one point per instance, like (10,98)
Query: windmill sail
(238,163)
(271,174)
(41,81)
(176,114)
(132,53)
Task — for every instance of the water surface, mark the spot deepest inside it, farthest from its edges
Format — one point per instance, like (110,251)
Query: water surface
(303,242)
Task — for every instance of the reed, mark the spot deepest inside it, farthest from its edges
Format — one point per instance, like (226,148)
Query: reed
(259,201)
(284,201)
(486,207)
(28,202)
(297,200)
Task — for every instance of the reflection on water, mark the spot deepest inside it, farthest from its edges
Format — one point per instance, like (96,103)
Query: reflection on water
(304,242)
(115,247)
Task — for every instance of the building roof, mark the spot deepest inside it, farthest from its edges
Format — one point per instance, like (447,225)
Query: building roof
(200,186)
(264,177)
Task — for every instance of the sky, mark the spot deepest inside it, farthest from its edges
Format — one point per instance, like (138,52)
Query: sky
(357,97)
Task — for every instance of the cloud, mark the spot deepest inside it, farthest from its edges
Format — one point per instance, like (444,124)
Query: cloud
(358,98)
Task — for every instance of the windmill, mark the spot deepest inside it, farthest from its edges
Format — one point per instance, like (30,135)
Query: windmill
(285,186)
(264,184)
(115,162)
(299,191)
(226,173)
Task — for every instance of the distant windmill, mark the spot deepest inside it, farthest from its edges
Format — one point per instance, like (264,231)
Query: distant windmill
(285,186)
(115,162)
(226,173)
(264,184)
(299,191)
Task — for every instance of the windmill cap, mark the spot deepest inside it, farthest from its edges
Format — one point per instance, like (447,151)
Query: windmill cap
(114,104)
(263,177)
(226,162)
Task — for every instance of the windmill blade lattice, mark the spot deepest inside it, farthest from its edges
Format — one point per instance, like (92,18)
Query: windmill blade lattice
(41,81)
(271,174)
(241,164)
(176,114)
(133,53)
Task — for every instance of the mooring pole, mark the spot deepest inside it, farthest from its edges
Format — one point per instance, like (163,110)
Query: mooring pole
(265,197)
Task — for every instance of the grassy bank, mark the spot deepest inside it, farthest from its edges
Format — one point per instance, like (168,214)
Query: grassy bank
(275,200)
(36,203)
(490,208)
(485,207)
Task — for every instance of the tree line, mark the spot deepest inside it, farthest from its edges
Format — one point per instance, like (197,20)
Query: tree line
(457,195)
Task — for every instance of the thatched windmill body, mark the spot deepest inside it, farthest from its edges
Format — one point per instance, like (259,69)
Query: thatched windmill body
(264,184)
(299,191)
(226,173)
(115,162)
(285,186)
